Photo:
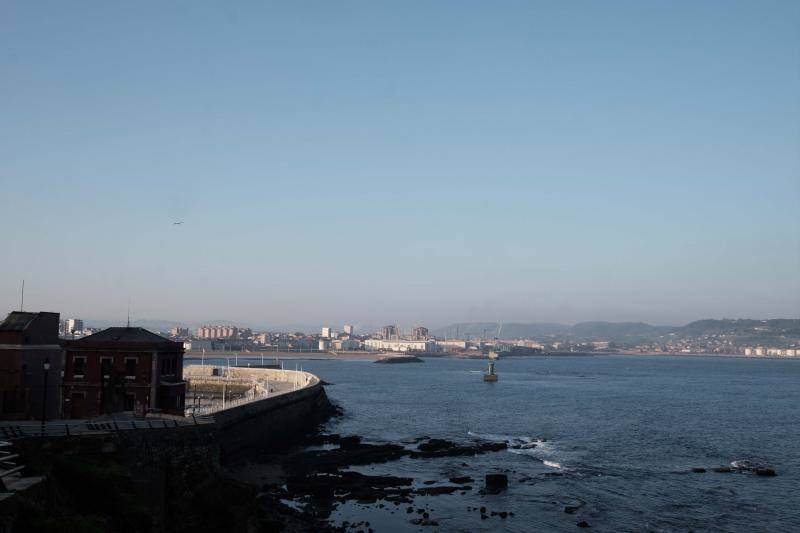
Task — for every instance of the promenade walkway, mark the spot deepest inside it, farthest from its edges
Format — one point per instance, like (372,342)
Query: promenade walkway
(211,389)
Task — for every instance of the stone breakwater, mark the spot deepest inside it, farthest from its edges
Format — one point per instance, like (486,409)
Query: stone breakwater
(282,405)
(170,479)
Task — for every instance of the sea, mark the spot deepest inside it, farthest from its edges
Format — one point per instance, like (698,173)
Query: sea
(616,438)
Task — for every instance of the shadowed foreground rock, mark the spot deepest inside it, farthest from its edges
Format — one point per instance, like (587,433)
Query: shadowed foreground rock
(496,482)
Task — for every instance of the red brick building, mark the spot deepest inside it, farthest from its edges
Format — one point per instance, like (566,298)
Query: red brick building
(122,369)
(27,342)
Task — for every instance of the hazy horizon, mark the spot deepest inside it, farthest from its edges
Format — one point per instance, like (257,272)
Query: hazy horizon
(407,163)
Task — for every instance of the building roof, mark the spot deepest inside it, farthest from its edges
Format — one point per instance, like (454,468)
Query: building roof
(123,335)
(17,321)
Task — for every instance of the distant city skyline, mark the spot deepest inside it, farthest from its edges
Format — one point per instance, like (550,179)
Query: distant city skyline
(409,163)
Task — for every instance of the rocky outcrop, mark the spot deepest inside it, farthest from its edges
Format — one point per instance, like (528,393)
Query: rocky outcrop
(446,448)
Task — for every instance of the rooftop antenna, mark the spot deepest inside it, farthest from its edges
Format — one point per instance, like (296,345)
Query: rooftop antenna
(22,299)
(129,312)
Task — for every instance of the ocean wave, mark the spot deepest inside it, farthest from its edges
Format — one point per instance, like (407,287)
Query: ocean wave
(539,449)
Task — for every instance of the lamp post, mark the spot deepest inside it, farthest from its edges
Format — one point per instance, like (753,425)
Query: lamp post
(46,367)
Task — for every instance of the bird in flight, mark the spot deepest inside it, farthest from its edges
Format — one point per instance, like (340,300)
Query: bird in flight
(178,223)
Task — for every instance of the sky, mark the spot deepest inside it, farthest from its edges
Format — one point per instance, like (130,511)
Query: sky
(401,162)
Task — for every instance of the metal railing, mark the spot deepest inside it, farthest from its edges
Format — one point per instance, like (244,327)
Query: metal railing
(261,389)
(65,428)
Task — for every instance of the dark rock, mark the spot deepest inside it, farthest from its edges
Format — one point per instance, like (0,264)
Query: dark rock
(723,469)
(348,485)
(434,445)
(323,439)
(410,510)
(426,515)
(503,514)
(571,509)
(446,448)
(699,470)
(461,479)
(349,443)
(496,481)
(392,359)
(429,482)
(349,453)
(766,472)
(435,491)
(483,516)
(483,510)
(583,523)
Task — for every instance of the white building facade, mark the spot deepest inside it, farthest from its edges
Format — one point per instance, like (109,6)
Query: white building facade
(394,345)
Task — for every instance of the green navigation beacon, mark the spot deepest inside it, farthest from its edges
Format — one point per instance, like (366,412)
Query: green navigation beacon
(489,375)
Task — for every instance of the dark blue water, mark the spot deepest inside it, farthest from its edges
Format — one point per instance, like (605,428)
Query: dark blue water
(622,432)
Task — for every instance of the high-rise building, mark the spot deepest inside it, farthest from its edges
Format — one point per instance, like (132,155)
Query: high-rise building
(179,332)
(72,325)
(420,333)
(217,332)
(350,330)
(390,332)
(326,333)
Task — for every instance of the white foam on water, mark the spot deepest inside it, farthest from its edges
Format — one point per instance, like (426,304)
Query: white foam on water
(539,449)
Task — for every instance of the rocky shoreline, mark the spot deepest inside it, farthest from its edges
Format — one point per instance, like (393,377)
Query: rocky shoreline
(314,478)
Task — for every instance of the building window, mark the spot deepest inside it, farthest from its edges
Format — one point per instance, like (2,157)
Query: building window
(130,402)
(168,366)
(78,367)
(130,367)
(106,365)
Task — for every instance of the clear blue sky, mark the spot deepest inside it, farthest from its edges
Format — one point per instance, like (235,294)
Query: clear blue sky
(411,162)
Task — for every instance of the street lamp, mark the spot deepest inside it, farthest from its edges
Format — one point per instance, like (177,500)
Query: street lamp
(46,367)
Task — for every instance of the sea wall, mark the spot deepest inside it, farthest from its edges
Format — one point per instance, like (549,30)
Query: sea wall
(140,475)
(161,476)
(267,422)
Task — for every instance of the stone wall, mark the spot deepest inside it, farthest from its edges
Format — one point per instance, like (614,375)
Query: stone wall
(164,471)
(156,466)
(268,422)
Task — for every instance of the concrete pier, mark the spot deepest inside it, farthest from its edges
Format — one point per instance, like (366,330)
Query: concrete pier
(211,389)
(268,406)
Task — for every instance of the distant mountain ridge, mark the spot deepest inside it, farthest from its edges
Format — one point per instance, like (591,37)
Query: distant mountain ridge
(753,330)
(625,331)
